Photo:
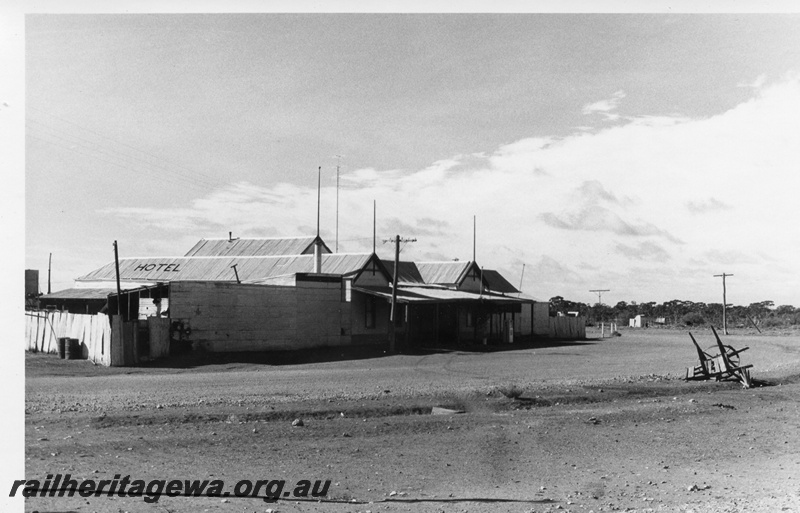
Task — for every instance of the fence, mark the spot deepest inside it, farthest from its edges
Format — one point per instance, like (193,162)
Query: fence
(43,329)
(564,327)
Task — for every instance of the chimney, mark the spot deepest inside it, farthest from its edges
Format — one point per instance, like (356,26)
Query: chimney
(317,257)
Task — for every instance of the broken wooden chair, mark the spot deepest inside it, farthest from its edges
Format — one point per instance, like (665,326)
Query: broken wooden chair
(722,366)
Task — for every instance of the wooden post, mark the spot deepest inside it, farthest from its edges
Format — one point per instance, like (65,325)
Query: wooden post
(119,290)
(724,302)
(392,341)
(753,322)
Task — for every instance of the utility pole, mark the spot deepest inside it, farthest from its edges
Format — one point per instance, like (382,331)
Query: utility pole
(49,265)
(600,302)
(393,310)
(724,302)
(600,294)
(119,290)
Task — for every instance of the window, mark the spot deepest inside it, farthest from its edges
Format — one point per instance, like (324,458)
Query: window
(470,320)
(369,312)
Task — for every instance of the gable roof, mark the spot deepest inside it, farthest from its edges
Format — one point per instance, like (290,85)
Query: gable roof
(276,246)
(497,283)
(407,272)
(249,268)
(445,273)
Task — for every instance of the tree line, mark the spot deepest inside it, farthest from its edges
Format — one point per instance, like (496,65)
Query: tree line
(681,313)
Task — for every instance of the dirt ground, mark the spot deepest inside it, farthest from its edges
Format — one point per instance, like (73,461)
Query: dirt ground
(595,425)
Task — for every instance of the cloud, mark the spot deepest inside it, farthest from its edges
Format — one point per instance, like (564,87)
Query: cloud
(625,193)
(594,192)
(730,257)
(600,219)
(425,226)
(549,270)
(703,206)
(646,250)
(756,84)
(605,107)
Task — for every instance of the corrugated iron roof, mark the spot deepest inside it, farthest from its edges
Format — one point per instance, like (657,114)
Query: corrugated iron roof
(497,283)
(79,294)
(407,272)
(443,273)
(439,295)
(277,246)
(249,268)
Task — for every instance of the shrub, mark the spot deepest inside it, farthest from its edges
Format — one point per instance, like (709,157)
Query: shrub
(774,322)
(511,391)
(693,319)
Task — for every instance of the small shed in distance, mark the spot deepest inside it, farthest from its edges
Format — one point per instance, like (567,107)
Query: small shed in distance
(640,321)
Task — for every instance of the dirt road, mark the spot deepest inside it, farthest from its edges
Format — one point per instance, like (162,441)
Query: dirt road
(602,425)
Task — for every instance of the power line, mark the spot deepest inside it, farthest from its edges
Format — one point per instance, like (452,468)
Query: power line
(115,154)
(173,164)
(173,180)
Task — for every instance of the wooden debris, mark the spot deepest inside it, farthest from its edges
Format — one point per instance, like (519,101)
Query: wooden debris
(721,366)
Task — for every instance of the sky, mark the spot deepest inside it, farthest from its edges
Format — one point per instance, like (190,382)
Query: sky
(639,153)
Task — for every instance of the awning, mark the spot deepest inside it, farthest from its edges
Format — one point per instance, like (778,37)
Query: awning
(77,293)
(440,295)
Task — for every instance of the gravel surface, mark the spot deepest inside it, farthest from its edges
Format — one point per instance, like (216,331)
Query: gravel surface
(601,425)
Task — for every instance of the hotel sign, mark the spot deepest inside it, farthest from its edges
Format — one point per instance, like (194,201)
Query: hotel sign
(158,267)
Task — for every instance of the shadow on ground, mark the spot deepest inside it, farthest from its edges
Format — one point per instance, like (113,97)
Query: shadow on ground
(337,354)
(49,364)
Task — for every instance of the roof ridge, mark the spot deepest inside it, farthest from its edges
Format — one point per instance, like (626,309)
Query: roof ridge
(260,238)
(198,257)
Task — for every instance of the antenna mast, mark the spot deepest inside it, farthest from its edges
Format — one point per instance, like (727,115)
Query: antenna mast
(474,235)
(319,186)
(338,162)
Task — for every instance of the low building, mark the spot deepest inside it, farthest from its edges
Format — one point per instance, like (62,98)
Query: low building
(76,300)
(640,321)
(232,295)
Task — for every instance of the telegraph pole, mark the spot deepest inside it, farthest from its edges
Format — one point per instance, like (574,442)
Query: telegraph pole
(600,302)
(119,290)
(600,294)
(392,315)
(49,266)
(724,302)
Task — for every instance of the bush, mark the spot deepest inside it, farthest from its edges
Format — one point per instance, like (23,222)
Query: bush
(693,319)
(774,322)
(511,391)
